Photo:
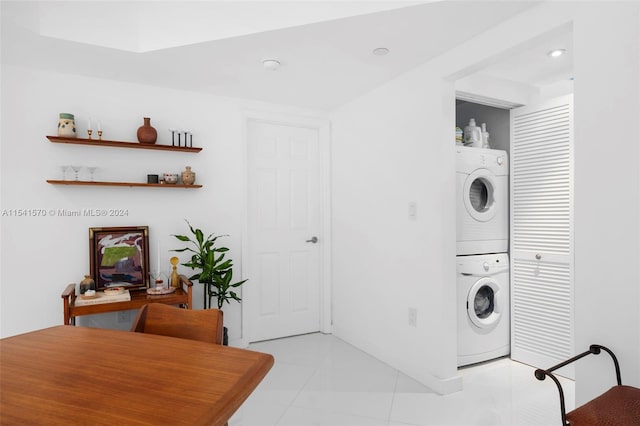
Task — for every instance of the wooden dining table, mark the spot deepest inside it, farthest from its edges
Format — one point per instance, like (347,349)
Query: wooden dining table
(89,376)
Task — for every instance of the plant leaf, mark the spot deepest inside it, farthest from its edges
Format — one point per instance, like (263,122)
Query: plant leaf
(182,249)
(190,227)
(239,283)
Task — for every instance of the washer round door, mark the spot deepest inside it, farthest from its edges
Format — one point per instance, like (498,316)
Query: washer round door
(484,304)
(478,195)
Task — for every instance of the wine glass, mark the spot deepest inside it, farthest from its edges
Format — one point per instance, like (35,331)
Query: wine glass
(64,172)
(76,169)
(91,169)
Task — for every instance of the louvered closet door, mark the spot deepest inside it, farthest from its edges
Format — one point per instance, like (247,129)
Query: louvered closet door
(542,233)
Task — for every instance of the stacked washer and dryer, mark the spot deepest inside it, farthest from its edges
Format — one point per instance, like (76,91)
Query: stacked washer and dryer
(482,261)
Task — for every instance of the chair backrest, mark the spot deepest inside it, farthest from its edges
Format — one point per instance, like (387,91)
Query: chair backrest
(157,318)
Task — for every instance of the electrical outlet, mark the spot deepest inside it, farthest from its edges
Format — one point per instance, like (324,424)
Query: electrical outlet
(413,210)
(413,317)
(124,316)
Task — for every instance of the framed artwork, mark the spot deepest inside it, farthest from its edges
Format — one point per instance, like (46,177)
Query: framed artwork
(119,257)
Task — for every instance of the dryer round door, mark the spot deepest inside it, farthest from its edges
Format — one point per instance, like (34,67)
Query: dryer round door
(478,194)
(483,303)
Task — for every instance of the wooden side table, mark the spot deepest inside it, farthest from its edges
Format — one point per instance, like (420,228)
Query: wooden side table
(182,296)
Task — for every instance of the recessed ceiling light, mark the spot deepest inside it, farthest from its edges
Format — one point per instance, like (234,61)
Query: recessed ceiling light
(557,53)
(271,64)
(380,51)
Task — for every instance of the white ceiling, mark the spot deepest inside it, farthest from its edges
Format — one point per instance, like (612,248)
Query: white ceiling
(531,64)
(324,47)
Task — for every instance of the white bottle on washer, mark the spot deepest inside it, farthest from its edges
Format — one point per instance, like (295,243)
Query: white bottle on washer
(485,136)
(473,134)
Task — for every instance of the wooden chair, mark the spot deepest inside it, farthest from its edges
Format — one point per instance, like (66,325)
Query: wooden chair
(619,406)
(157,318)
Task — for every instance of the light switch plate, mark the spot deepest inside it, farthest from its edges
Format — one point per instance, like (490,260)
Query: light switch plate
(413,210)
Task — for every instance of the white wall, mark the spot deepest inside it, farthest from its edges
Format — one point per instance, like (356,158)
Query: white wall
(607,193)
(389,149)
(41,255)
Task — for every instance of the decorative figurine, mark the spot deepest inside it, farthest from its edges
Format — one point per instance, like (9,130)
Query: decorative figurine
(175,279)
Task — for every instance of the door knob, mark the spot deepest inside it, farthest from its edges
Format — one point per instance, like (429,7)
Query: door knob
(313,240)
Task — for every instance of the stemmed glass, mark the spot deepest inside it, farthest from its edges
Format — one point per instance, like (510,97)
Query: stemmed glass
(76,169)
(159,278)
(91,169)
(64,172)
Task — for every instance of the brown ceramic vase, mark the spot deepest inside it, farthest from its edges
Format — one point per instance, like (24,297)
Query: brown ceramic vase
(188,177)
(146,133)
(87,284)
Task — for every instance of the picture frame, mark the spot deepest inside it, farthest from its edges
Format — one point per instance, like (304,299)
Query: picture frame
(119,257)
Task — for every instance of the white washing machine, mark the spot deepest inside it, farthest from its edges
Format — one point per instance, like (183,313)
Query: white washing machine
(482,207)
(483,307)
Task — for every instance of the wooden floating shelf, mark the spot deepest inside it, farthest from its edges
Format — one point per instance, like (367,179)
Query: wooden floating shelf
(120,144)
(91,183)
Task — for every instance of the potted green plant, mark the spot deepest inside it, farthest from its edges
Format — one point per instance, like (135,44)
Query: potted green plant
(215,272)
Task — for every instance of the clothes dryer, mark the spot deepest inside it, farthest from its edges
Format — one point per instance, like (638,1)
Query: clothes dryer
(483,307)
(482,207)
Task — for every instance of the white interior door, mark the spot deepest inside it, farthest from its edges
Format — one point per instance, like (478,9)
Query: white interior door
(542,332)
(283,230)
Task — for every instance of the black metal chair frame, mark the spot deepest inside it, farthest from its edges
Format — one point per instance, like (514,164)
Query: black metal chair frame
(593,349)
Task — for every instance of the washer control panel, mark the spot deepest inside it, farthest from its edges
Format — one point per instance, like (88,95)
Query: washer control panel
(469,159)
(482,264)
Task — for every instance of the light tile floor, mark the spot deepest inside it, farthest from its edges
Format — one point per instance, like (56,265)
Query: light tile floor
(321,380)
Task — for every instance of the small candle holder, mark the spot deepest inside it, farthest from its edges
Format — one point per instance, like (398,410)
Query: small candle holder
(89,132)
(158,280)
(99,135)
